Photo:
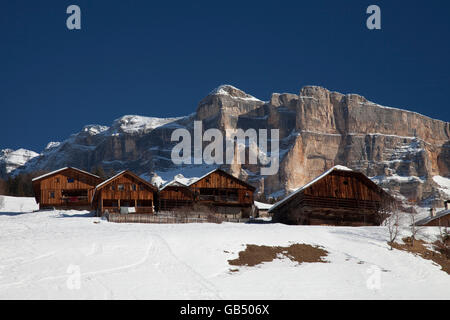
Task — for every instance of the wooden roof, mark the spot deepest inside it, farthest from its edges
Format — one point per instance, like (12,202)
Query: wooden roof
(360,175)
(227,174)
(113,178)
(428,219)
(62,170)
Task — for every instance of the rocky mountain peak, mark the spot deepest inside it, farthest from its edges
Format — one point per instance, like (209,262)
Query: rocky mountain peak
(229,90)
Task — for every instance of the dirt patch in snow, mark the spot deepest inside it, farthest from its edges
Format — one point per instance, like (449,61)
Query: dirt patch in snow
(439,254)
(254,254)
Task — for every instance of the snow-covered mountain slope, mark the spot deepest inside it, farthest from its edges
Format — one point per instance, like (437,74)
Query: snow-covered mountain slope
(65,255)
(444,184)
(133,124)
(11,160)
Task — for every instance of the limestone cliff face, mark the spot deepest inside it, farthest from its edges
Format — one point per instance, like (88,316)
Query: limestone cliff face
(399,149)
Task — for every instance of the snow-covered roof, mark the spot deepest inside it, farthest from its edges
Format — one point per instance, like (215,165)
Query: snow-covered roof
(438,215)
(194,180)
(62,169)
(217,169)
(173,183)
(109,180)
(338,167)
(262,205)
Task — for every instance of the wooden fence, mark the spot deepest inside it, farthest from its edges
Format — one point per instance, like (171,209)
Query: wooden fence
(168,218)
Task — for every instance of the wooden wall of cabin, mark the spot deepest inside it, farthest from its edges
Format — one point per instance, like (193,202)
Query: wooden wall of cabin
(176,193)
(126,191)
(61,189)
(344,186)
(174,197)
(442,221)
(322,216)
(219,182)
(320,210)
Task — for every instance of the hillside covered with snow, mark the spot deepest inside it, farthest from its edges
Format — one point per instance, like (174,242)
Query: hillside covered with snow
(73,255)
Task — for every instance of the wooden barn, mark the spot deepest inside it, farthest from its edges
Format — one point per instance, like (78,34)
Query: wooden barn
(175,195)
(124,193)
(339,197)
(224,193)
(436,219)
(66,188)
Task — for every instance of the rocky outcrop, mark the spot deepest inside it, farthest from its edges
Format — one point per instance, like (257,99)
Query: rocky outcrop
(399,149)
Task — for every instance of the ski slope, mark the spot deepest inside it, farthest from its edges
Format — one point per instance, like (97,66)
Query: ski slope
(74,255)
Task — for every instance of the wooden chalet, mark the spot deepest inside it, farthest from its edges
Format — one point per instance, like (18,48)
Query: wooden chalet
(223,193)
(175,195)
(66,188)
(436,219)
(339,197)
(124,193)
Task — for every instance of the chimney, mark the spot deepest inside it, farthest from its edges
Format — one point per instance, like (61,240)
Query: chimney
(432,212)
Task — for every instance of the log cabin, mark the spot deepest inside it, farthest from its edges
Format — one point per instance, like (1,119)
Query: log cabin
(436,219)
(223,194)
(338,197)
(175,195)
(66,188)
(124,193)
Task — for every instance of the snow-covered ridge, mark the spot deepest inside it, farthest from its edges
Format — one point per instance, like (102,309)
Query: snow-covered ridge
(139,124)
(94,129)
(229,90)
(14,159)
(52,145)
(444,184)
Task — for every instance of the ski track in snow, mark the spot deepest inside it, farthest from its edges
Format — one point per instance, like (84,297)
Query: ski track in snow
(189,261)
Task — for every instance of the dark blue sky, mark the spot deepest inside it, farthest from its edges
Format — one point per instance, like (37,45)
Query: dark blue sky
(161,58)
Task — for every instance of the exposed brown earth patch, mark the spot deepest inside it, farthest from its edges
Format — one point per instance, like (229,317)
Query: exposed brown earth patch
(440,255)
(254,254)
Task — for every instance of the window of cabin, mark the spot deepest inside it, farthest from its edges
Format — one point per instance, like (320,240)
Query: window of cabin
(110,203)
(206,191)
(70,180)
(141,187)
(57,180)
(144,203)
(52,195)
(345,182)
(133,187)
(113,187)
(121,187)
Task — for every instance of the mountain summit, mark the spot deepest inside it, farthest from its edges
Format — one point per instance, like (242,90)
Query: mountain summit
(404,151)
